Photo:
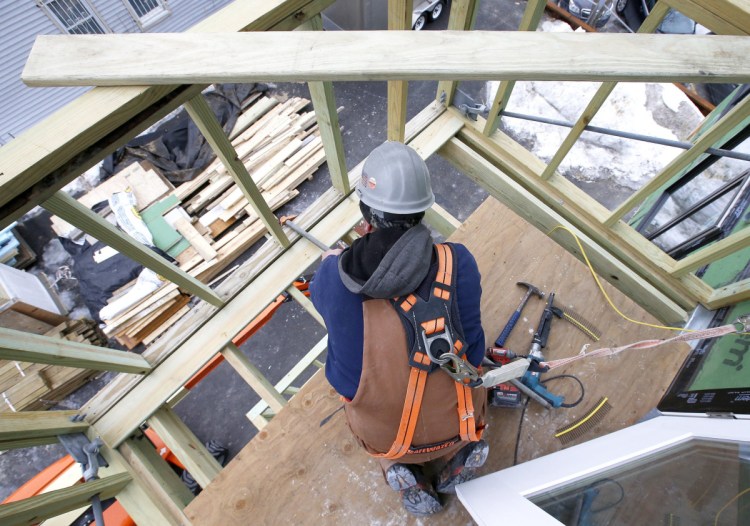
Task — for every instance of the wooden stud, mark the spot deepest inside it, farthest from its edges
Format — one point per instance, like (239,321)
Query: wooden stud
(26,347)
(305,303)
(211,129)
(57,150)
(529,22)
(38,425)
(462,18)
(67,208)
(442,221)
(728,17)
(35,509)
(708,139)
(535,212)
(399,19)
(254,378)
(729,295)
(156,474)
(385,55)
(324,103)
(199,243)
(564,198)
(713,252)
(649,25)
(185,445)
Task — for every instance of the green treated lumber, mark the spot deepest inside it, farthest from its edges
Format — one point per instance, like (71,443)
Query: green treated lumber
(35,509)
(185,445)
(114,59)
(52,153)
(462,18)
(713,252)
(252,376)
(306,304)
(735,117)
(211,129)
(399,19)
(327,116)
(729,295)
(70,210)
(512,195)
(27,425)
(728,17)
(26,347)
(649,25)
(531,16)
(441,220)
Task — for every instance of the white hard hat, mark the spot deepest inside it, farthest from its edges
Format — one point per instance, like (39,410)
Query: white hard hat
(396,180)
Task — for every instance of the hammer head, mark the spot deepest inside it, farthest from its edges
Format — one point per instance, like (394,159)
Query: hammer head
(532,289)
(284,219)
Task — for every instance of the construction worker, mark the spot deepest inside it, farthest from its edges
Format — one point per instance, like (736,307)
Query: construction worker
(402,313)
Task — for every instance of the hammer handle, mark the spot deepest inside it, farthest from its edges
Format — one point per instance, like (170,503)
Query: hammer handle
(508,327)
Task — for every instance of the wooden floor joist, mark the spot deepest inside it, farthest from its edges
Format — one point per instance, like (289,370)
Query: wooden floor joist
(172,58)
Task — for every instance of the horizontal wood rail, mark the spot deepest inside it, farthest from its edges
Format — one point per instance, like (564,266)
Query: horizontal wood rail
(173,58)
(25,347)
(33,428)
(35,509)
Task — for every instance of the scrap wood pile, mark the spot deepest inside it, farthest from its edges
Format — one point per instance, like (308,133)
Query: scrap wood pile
(36,386)
(206,223)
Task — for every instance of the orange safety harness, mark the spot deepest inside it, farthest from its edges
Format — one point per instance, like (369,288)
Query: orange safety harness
(437,345)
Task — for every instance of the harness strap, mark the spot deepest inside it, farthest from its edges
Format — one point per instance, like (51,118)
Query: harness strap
(419,373)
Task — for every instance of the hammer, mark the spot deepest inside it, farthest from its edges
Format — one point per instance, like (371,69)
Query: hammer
(517,314)
(287,220)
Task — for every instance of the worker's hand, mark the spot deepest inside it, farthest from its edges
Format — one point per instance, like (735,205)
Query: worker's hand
(331,252)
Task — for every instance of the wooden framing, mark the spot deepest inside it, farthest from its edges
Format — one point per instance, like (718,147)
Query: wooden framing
(378,55)
(37,165)
(25,347)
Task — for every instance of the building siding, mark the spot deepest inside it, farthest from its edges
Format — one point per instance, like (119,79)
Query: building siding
(22,20)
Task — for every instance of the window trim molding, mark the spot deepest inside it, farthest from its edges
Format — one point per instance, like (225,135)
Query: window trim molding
(42,4)
(151,19)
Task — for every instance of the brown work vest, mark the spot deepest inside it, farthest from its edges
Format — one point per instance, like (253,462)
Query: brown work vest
(376,412)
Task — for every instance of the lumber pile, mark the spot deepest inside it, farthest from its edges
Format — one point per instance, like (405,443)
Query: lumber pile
(35,386)
(206,223)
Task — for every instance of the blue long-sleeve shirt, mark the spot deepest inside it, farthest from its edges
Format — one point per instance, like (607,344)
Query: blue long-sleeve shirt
(342,312)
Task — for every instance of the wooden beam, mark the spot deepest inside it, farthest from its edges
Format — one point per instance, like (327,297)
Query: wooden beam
(399,19)
(441,220)
(735,117)
(649,25)
(713,252)
(185,445)
(37,425)
(728,17)
(211,129)
(116,424)
(462,18)
(26,347)
(306,304)
(70,210)
(566,199)
(52,153)
(156,474)
(115,59)
(538,214)
(253,377)
(35,509)
(531,16)
(729,295)
(324,103)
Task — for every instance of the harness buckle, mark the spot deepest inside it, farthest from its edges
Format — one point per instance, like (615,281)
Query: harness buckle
(429,340)
(742,323)
(460,370)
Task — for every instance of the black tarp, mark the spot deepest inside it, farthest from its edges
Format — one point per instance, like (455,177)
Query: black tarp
(177,148)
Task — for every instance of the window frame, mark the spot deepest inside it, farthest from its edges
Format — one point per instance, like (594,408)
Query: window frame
(152,17)
(60,24)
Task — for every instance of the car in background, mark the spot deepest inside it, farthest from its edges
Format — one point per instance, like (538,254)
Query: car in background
(595,13)
(426,11)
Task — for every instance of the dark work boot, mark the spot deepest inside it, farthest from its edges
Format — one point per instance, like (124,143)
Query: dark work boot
(417,494)
(462,467)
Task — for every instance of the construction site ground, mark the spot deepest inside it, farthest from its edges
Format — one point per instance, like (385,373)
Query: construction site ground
(298,468)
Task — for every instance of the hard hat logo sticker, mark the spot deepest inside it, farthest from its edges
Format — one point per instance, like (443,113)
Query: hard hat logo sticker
(370,183)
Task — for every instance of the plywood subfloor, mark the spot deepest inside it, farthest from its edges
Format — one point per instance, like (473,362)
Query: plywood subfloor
(297,472)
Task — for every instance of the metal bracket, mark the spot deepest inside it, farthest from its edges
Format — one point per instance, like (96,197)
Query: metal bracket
(468,107)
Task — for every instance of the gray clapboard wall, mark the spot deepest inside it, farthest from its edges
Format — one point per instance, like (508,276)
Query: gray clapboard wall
(22,20)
